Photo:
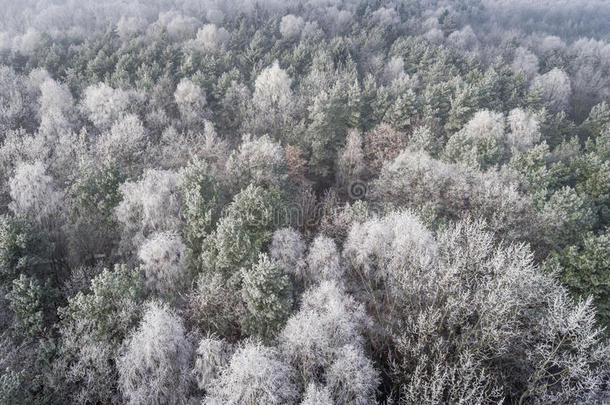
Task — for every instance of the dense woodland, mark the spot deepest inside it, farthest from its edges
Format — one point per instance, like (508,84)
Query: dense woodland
(304,202)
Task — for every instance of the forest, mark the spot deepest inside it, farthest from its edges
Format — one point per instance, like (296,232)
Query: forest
(314,202)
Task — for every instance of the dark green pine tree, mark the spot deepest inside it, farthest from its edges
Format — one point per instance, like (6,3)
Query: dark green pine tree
(463,106)
(403,112)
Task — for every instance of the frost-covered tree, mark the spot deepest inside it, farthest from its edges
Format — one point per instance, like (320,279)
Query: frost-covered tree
(154,366)
(464,39)
(569,215)
(29,301)
(245,229)
(35,79)
(531,168)
(588,66)
(402,114)
(191,101)
(417,181)
(128,26)
(395,69)
(316,395)
(288,248)
(584,271)
(28,42)
(93,326)
(350,163)
(352,378)
(462,107)
(328,320)
(56,108)
(215,15)
(148,205)
(526,63)
(163,257)
(55,96)
(4,42)
(177,148)
(212,356)
(14,100)
(267,295)
(434,35)
(323,261)
(257,161)
(383,143)
(597,122)
(214,307)
(126,141)
(555,89)
(338,20)
(480,143)
(272,100)
(235,108)
(381,240)
(11,385)
(35,195)
(210,38)
(23,249)
(336,220)
(386,16)
(524,129)
(332,111)
(91,198)
(178,26)
(422,138)
(255,375)
(201,202)
(378,240)
(104,105)
(291,26)
(19,147)
(452,337)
